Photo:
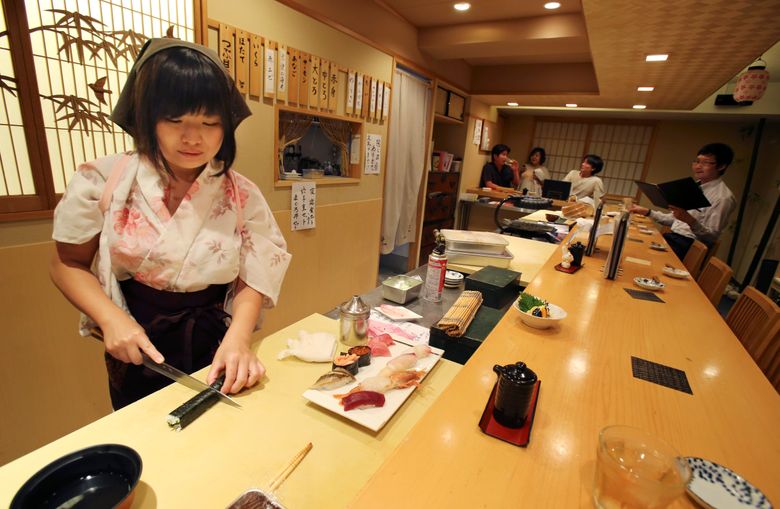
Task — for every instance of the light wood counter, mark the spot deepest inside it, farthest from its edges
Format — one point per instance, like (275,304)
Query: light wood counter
(228,450)
(585,368)
(529,257)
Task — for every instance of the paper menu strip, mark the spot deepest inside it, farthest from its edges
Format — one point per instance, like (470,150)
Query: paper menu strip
(366,92)
(242,61)
(386,101)
(227,50)
(358,94)
(256,66)
(324,83)
(294,76)
(303,87)
(269,70)
(372,99)
(349,107)
(282,73)
(380,88)
(333,87)
(314,82)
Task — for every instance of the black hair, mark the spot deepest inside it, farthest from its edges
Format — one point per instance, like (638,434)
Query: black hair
(722,153)
(176,82)
(540,151)
(497,149)
(595,162)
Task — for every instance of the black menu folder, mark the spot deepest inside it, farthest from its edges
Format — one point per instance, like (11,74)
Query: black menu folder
(684,193)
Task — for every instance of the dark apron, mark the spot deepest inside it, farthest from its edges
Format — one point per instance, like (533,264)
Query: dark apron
(186,327)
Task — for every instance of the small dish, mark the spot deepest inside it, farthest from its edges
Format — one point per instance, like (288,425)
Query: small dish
(646,231)
(557,314)
(657,246)
(398,313)
(676,273)
(649,284)
(718,487)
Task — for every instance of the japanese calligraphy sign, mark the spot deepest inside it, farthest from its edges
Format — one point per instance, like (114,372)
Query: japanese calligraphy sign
(380,90)
(366,92)
(314,82)
(349,108)
(269,70)
(373,154)
(227,49)
(358,94)
(386,102)
(324,83)
(303,205)
(372,99)
(242,61)
(333,87)
(281,73)
(256,66)
(294,76)
(303,92)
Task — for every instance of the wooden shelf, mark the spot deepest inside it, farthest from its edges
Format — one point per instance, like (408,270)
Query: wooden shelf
(446,120)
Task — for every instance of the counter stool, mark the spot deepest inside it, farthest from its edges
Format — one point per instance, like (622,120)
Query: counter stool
(714,278)
(755,320)
(694,258)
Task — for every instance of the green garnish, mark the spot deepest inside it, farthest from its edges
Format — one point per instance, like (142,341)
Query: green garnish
(528,301)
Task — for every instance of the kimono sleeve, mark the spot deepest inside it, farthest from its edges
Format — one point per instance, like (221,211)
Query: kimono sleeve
(264,257)
(77,217)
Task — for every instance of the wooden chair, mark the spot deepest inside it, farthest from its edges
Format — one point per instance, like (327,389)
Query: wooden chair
(694,258)
(754,319)
(714,278)
(770,357)
(711,251)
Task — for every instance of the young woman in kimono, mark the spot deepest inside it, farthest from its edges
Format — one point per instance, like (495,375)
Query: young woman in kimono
(169,251)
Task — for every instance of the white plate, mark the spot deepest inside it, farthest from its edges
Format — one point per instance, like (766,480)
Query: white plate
(557,314)
(657,246)
(374,418)
(678,273)
(397,312)
(452,275)
(718,487)
(648,284)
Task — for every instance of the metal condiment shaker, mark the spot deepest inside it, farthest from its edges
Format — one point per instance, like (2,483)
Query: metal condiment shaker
(353,322)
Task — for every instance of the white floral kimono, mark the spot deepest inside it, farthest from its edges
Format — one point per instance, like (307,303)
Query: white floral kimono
(198,246)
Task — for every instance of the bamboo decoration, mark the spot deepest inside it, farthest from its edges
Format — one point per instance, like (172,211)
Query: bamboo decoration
(242,61)
(458,318)
(324,83)
(349,108)
(256,66)
(294,77)
(282,80)
(314,82)
(227,53)
(303,88)
(358,94)
(269,69)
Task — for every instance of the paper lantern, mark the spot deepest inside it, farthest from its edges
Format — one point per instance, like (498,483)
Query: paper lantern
(752,83)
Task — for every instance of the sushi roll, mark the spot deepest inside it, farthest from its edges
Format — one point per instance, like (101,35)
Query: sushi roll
(348,362)
(364,354)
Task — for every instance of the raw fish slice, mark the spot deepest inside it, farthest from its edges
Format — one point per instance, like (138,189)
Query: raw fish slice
(363,399)
(385,338)
(422,351)
(378,348)
(377,327)
(402,362)
(339,377)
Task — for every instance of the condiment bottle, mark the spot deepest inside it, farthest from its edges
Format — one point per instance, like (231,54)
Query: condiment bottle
(353,324)
(513,395)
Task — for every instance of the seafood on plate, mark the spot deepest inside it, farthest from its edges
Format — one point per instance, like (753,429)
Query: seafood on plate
(363,399)
(384,383)
(378,348)
(334,379)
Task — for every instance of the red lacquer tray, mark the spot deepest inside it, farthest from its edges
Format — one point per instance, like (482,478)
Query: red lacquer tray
(516,436)
(570,270)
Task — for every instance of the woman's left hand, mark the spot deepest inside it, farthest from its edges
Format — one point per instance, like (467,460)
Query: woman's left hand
(241,366)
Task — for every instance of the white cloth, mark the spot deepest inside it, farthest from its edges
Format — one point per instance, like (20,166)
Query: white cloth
(710,221)
(198,246)
(316,347)
(405,160)
(527,178)
(585,187)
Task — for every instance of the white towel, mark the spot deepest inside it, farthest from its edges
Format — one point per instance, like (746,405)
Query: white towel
(310,347)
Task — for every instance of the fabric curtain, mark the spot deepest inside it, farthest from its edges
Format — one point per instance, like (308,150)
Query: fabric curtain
(338,132)
(405,159)
(292,127)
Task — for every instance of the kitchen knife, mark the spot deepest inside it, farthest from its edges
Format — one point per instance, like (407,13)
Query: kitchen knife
(174,374)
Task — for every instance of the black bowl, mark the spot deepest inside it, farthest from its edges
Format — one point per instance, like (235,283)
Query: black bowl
(100,476)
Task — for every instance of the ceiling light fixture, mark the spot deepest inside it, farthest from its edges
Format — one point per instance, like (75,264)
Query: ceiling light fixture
(462,6)
(656,58)
(639,106)
(571,105)
(645,89)
(552,5)
(512,104)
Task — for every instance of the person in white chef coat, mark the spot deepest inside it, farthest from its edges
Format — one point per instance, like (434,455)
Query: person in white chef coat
(167,250)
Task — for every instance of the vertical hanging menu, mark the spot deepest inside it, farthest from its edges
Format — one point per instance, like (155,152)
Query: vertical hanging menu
(294,76)
(242,61)
(372,100)
(324,82)
(358,94)
(256,66)
(281,75)
(227,50)
(314,82)
(380,88)
(366,91)
(269,70)
(349,108)
(333,87)
(386,102)
(303,91)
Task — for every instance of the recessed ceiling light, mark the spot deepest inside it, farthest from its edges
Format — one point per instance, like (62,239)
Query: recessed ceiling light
(639,106)
(645,89)
(512,104)
(571,105)
(462,6)
(656,58)
(552,5)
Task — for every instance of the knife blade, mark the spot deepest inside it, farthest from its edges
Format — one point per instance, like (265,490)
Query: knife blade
(183,378)
(174,374)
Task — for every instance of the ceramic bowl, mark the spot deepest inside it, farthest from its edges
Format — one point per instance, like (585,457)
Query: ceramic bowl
(557,314)
(649,284)
(677,273)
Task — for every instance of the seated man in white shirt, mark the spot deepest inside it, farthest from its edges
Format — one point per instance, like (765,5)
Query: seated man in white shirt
(584,183)
(703,224)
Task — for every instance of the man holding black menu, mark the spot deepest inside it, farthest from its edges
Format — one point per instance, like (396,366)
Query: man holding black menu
(703,224)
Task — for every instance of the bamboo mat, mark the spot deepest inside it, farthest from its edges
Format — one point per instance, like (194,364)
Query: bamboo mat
(458,318)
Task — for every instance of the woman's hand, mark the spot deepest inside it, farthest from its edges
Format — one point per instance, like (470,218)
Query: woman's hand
(125,339)
(235,357)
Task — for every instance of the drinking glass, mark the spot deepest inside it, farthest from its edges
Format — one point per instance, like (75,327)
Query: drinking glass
(636,470)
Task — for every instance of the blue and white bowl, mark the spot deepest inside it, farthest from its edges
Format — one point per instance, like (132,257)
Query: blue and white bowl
(716,486)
